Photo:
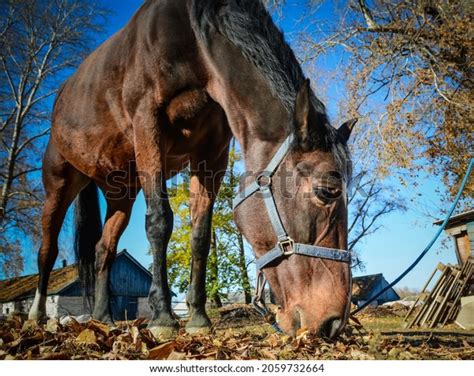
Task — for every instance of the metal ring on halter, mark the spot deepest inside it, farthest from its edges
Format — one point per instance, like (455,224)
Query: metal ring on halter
(260,180)
(287,246)
(258,302)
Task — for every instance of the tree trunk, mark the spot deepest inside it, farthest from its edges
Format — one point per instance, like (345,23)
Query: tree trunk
(216,301)
(214,295)
(245,280)
(7,183)
(243,270)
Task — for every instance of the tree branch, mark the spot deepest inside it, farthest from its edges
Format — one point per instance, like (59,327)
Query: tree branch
(369,20)
(30,140)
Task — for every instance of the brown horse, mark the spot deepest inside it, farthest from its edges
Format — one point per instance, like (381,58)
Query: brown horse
(168,91)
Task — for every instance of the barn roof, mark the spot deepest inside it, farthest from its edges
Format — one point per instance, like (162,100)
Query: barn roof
(25,286)
(457,220)
(362,286)
(19,287)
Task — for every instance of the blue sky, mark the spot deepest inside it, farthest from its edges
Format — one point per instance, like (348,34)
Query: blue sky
(389,251)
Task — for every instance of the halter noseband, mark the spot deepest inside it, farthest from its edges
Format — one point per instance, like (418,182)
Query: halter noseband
(285,246)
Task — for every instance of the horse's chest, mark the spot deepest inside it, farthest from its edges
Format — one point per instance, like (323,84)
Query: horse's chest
(196,128)
(186,105)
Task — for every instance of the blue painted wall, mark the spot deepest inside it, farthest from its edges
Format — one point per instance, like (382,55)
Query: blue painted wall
(388,296)
(128,281)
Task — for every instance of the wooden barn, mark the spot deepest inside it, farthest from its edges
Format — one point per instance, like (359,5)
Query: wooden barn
(461,229)
(367,286)
(130,283)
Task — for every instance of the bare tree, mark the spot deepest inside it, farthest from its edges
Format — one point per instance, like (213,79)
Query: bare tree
(40,42)
(407,68)
(369,201)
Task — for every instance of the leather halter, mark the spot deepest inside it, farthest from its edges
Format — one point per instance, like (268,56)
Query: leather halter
(285,246)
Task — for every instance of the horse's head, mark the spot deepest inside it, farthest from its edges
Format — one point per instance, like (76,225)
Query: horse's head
(309,190)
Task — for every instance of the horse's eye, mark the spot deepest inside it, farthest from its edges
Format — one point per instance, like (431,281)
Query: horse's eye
(304,168)
(327,194)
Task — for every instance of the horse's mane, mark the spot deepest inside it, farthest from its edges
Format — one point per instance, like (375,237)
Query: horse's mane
(248,25)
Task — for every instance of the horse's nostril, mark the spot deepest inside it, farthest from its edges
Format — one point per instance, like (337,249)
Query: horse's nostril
(330,328)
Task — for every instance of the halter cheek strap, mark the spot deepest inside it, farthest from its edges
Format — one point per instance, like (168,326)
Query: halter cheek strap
(285,245)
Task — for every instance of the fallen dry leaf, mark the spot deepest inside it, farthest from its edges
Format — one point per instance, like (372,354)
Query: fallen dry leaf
(273,340)
(240,334)
(174,355)
(266,354)
(86,337)
(99,327)
(29,325)
(72,325)
(301,332)
(52,325)
(55,356)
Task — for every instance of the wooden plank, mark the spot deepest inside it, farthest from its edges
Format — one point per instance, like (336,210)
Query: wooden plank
(439,312)
(421,297)
(462,287)
(422,315)
(470,234)
(437,299)
(441,305)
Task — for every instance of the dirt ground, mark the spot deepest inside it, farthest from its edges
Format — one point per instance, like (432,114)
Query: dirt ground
(238,333)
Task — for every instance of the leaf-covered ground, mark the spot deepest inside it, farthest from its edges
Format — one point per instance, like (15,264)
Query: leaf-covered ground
(238,333)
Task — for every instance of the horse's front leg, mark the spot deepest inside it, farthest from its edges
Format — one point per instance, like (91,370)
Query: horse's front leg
(159,225)
(205,182)
(159,216)
(118,215)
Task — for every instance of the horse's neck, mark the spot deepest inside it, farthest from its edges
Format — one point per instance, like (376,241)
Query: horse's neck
(259,134)
(259,126)
(257,118)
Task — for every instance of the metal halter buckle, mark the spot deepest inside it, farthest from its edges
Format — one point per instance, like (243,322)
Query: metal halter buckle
(287,246)
(263,180)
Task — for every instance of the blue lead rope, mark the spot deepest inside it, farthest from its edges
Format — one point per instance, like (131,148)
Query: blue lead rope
(430,244)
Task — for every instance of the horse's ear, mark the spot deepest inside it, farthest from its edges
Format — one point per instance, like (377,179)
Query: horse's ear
(345,129)
(302,112)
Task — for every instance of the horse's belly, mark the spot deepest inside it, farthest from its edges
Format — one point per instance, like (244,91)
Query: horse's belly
(96,154)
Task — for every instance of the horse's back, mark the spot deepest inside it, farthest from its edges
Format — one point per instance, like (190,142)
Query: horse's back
(88,113)
(152,50)
(154,54)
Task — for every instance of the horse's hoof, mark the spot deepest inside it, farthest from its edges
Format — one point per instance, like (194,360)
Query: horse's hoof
(199,324)
(163,333)
(29,325)
(37,315)
(198,329)
(40,319)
